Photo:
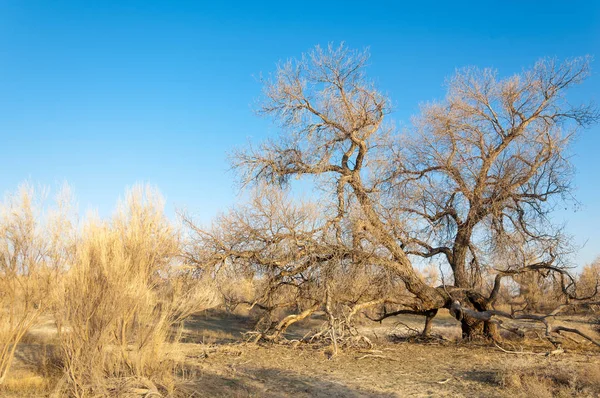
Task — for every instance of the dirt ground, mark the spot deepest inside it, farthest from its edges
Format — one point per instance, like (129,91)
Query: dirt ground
(444,368)
(395,371)
(216,362)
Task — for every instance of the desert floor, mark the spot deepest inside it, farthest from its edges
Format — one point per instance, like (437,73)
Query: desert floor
(218,362)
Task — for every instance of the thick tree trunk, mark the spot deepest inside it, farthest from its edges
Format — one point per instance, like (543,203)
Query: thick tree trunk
(472,327)
(459,259)
(490,331)
(461,279)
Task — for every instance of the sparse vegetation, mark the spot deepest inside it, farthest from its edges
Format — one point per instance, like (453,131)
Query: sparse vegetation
(123,297)
(438,236)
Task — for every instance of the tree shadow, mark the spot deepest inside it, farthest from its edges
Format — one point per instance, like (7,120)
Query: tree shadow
(482,376)
(271,383)
(224,327)
(220,326)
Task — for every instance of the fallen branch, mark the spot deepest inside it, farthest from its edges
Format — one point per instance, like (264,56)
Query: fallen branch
(559,329)
(376,356)
(552,332)
(553,352)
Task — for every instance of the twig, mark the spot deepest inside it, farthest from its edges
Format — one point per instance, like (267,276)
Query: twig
(376,356)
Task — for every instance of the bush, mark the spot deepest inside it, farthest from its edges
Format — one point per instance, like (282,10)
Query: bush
(30,254)
(122,298)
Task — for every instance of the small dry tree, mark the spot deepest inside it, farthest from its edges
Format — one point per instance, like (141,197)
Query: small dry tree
(473,180)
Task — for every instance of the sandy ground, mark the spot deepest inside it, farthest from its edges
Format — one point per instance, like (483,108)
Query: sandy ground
(391,369)
(218,363)
(396,371)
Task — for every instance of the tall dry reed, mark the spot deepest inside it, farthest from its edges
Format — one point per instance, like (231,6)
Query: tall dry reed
(123,297)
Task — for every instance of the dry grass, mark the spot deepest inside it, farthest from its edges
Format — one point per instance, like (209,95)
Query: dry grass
(564,380)
(26,383)
(229,368)
(37,369)
(31,249)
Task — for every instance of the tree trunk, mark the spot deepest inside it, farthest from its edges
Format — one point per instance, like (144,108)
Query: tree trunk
(472,327)
(459,260)
(428,323)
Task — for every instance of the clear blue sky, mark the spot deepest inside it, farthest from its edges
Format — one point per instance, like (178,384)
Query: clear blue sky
(107,94)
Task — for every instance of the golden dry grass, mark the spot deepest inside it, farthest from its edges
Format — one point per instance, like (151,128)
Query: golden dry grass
(555,380)
(23,382)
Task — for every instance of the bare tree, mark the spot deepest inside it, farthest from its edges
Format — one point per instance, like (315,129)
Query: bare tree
(483,167)
(474,179)
(331,115)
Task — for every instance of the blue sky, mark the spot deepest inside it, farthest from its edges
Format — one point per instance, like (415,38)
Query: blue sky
(107,94)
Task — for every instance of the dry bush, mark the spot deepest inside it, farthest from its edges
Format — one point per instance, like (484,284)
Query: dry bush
(551,381)
(587,284)
(122,298)
(235,289)
(31,247)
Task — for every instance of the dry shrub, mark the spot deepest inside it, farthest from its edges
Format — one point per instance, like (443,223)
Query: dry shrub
(122,298)
(589,278)
(551,381)
(590,376)
(29,256)
(234,288)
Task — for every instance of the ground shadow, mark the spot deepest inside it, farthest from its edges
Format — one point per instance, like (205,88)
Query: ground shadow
(222,327)
(482,376)
(218,326)
(272,382)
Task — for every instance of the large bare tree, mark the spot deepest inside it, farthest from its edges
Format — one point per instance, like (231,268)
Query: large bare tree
(482,169)
(471,182)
